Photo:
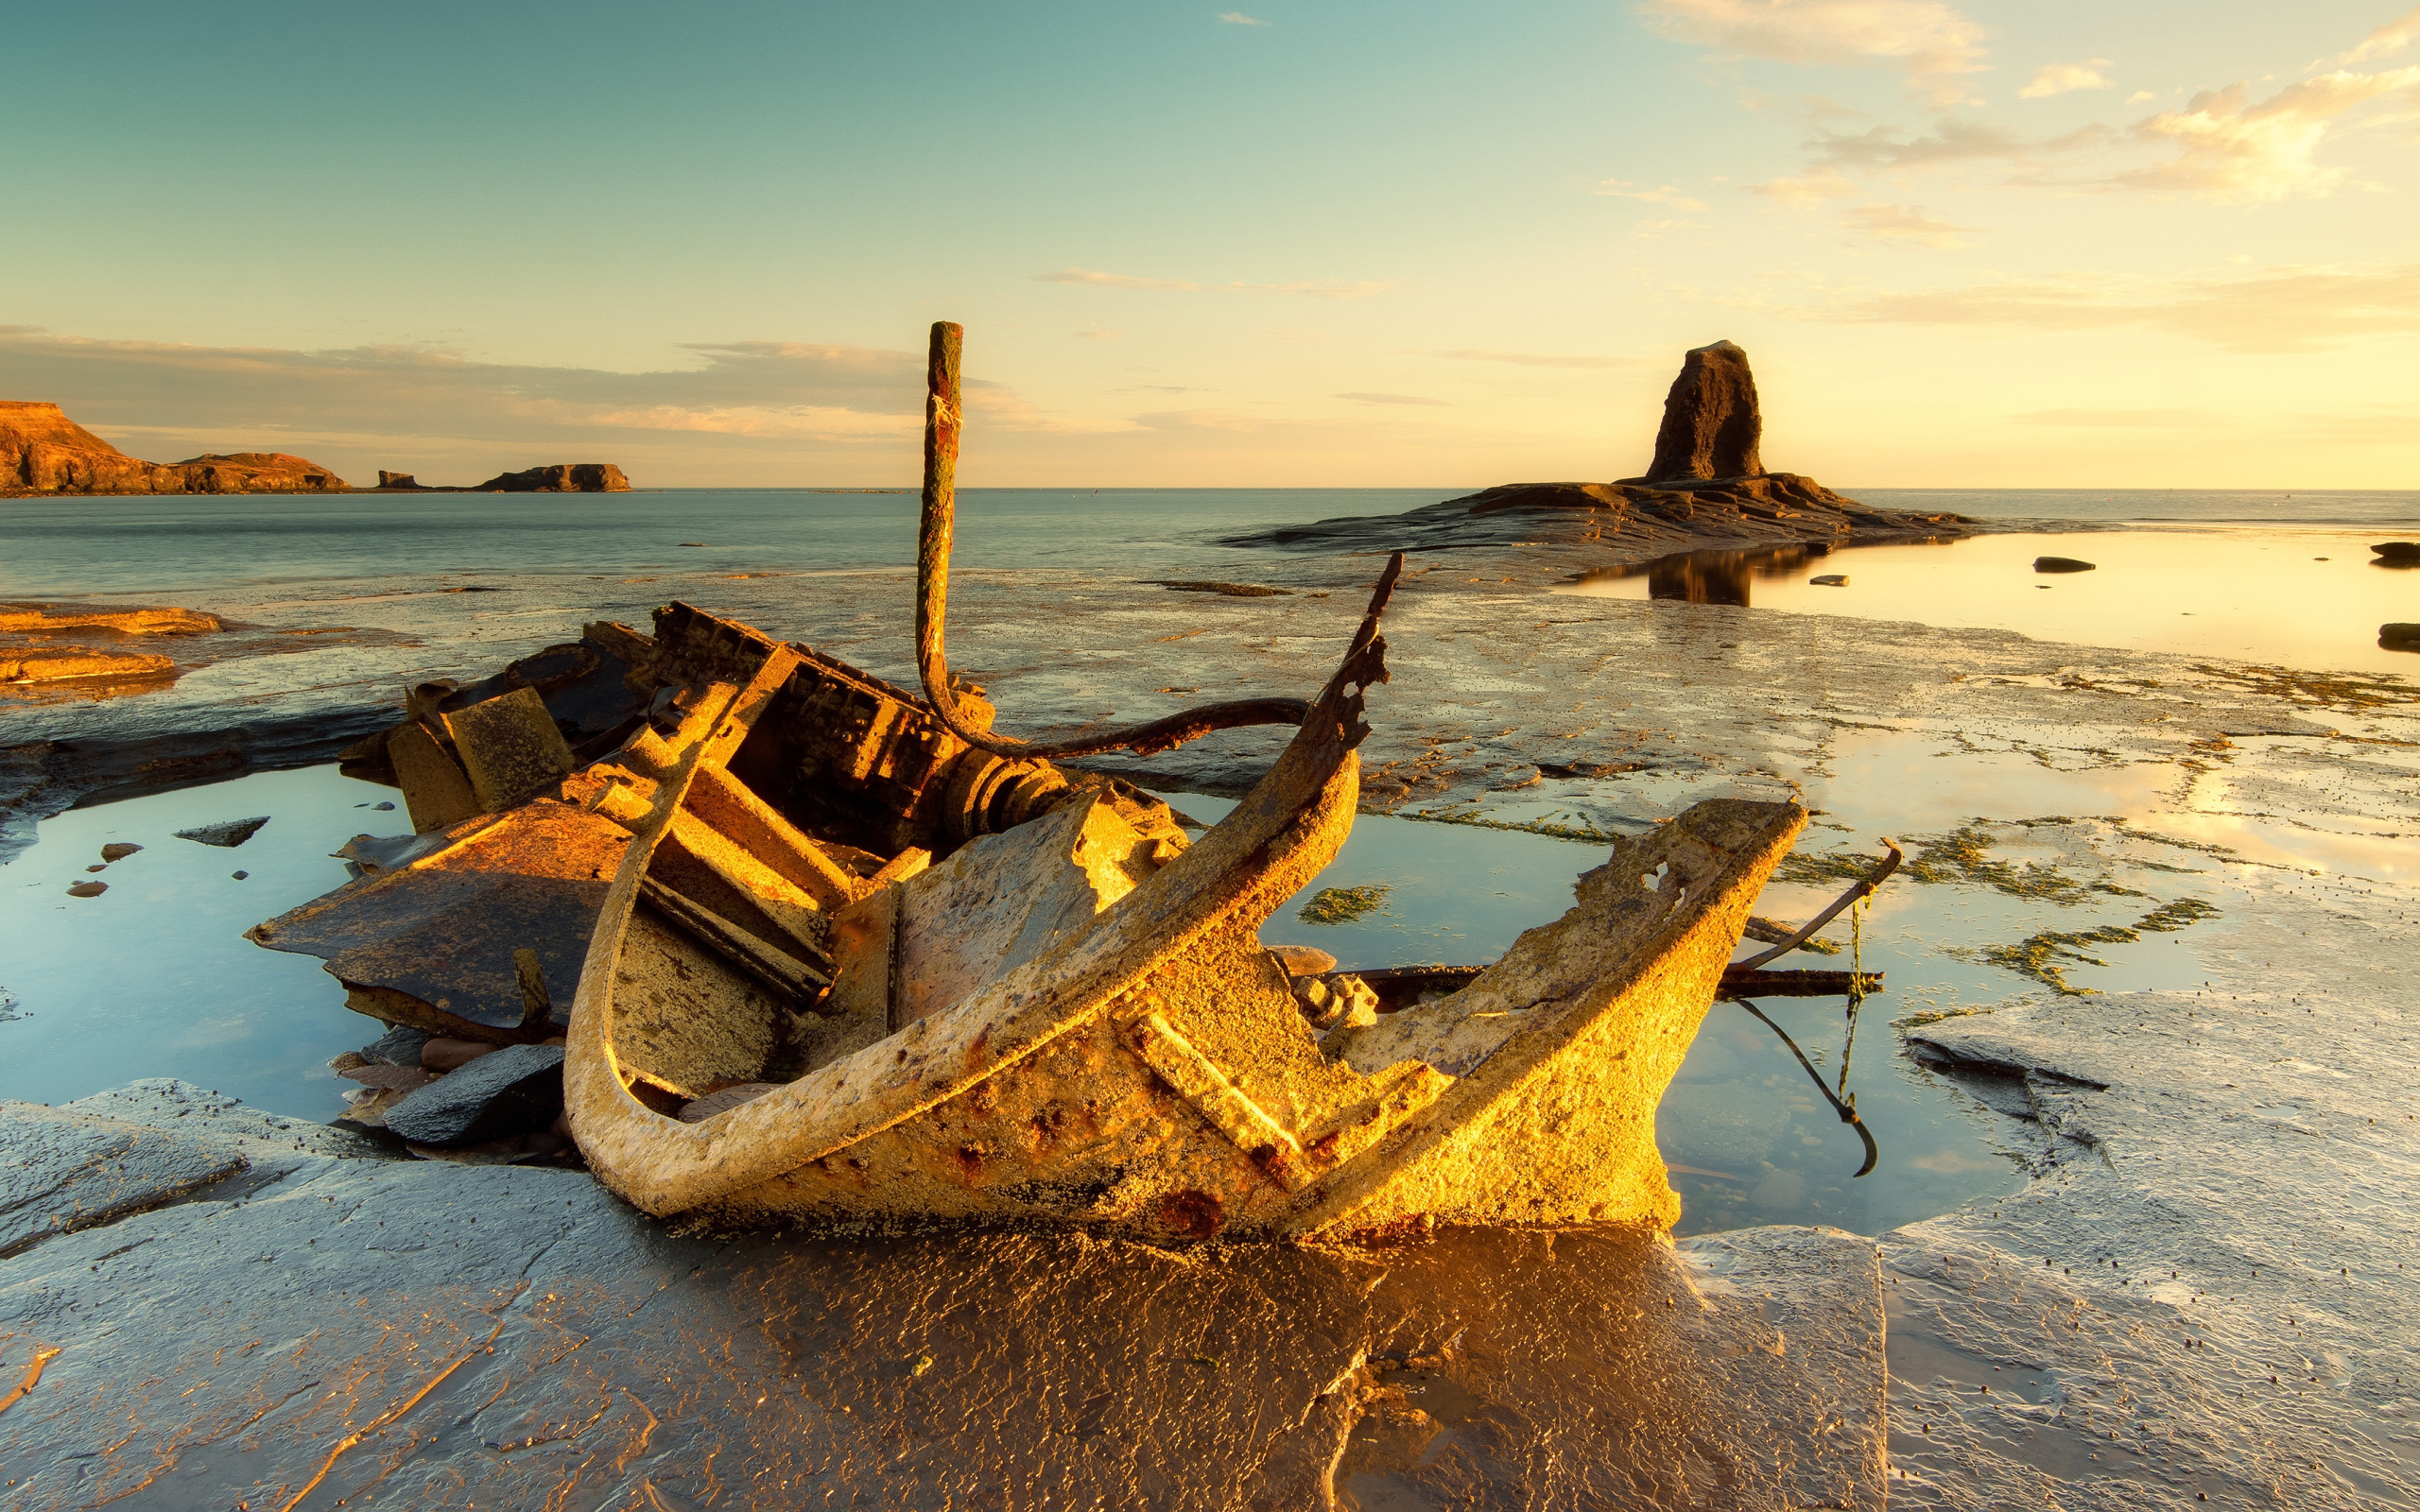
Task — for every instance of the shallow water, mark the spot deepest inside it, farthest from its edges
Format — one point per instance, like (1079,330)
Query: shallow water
(2308,598)
(153,978)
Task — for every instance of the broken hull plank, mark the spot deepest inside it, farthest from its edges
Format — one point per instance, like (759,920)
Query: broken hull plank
(436,939)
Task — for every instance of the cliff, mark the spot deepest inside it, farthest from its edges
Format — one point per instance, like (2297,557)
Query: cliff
(41,451)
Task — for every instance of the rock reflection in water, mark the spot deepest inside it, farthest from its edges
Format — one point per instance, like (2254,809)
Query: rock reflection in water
(1711,576)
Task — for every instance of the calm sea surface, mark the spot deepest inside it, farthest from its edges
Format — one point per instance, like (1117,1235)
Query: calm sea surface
(187,544)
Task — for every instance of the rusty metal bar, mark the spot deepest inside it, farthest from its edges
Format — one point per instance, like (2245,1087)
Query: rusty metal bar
(1873,879)
(941,424)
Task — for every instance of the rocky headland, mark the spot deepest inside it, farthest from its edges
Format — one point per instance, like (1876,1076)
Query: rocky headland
(41,451)
(1707,487)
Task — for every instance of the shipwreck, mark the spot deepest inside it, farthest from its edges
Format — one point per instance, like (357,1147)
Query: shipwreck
(818,948)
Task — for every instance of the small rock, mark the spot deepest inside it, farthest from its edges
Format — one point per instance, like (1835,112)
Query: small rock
(2398,551)
(384,808)
(230,833)
(239,875)
(1302,960)
(504,1095)
(88,889)
(377,1073)
(438,1053)
(1341,1001)
(399,1046)
(2399,637)
(98,866)
(367,1108)
(2061,564)
(119,850)
(1230,589)
(1830,580)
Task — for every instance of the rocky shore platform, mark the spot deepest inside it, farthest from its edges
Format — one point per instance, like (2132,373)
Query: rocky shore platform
(217,1307)
(2219,1176)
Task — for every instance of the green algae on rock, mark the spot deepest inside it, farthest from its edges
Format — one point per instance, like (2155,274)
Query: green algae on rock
(1342,905)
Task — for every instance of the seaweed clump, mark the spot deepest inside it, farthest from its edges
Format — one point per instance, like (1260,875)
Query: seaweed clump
(1959,856)
(2041,956)
(1344,905)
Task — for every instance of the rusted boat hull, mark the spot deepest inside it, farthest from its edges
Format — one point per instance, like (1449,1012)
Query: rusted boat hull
(1146,1069)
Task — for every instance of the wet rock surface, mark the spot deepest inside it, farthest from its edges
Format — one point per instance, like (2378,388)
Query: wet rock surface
(1625,710)
(2208,1288)
(513,1091)
(429,1332)
(63,1171)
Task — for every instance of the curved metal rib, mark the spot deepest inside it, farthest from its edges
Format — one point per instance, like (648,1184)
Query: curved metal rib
(942,415)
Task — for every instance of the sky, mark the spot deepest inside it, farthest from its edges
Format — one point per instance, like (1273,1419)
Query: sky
(2030,243)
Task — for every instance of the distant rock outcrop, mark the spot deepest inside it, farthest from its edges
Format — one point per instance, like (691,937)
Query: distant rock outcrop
(41,451)
(1711,424)
(396,480)
(563,477)
(1707,487)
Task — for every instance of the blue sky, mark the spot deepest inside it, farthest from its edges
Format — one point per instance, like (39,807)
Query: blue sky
(2046,242)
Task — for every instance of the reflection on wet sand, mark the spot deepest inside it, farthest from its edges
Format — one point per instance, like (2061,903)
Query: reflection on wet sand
(1709,577)
(1472,1369)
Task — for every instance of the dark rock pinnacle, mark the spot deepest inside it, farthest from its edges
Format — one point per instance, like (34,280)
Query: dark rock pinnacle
(1711,425)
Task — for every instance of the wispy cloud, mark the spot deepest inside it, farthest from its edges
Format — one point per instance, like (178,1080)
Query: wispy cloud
(1906,225)
(1315,288)
(2234,148)
(1237,18)
(2222,145)
(2061,79)
(395,404)
(1934,44)
(1666,194)
(1534,359)
(2386,42)
(2282,310)
(1391,399)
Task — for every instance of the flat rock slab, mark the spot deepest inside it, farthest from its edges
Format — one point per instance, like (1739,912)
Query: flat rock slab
(505,1336)
(2209,1289)
(510,1091)
(64,1171)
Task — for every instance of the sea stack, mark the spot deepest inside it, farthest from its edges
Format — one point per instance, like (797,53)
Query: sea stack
(1711,424)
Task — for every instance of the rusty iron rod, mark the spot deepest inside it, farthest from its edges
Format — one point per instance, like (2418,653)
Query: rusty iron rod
(1873,879)
(942,424)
